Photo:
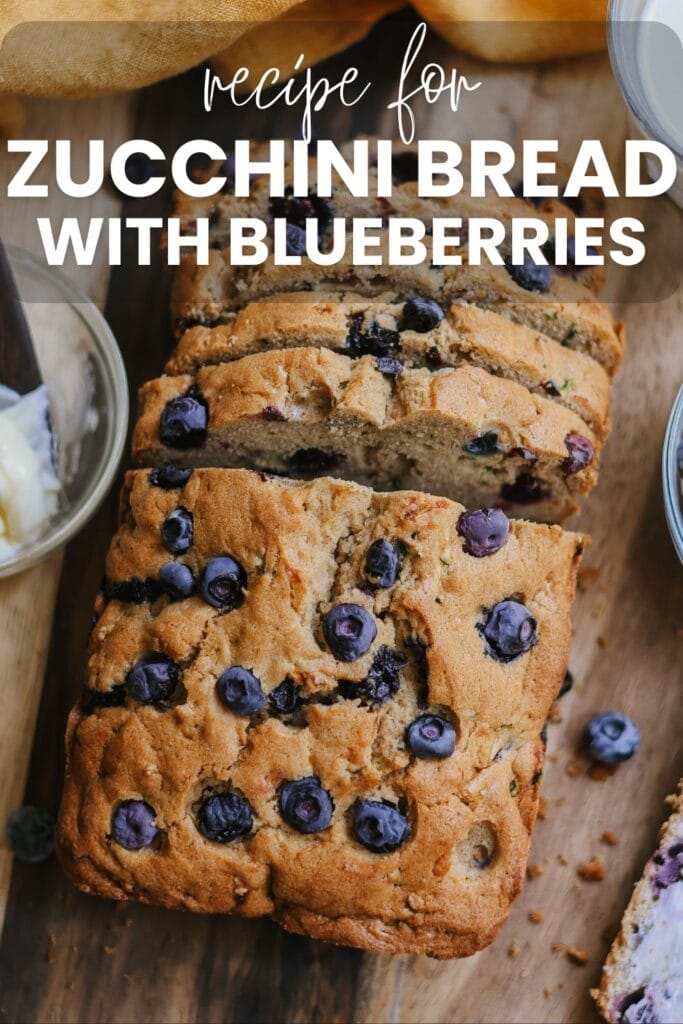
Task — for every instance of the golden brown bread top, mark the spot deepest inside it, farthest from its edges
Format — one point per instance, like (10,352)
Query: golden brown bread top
(303,547)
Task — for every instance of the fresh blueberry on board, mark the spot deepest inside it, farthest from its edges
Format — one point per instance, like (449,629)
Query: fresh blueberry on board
(580,455)
(305,805)
(349,630)
(482,445)
(177,531)
(383,563)
(241,691)
(169,477)
(379,826)
(133,825)
(184,420)
(421,315)
(224,817)
(509,630)
(177,580)
(533,277)
(223,582)
(431,736)
(30,834)
(612,737)
(485,530)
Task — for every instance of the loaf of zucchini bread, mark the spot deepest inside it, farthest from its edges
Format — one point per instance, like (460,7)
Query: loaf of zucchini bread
(318,702)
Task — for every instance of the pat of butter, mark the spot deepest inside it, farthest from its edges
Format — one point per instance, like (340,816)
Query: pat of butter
(29,489)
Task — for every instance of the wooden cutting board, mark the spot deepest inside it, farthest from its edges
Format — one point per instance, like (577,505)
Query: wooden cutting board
(68,957)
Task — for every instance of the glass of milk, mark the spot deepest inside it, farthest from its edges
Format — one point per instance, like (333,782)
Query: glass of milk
(646,50)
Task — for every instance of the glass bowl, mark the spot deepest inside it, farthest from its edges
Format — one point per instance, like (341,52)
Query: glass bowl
(672,474)
(53,304)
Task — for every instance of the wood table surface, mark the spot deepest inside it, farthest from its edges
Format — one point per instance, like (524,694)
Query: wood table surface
(68,957)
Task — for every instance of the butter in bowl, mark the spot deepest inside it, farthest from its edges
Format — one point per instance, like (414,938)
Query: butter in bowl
(62,440)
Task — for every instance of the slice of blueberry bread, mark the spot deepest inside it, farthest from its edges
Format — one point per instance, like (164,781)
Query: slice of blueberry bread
(308,412)
(558,306)
(417,333)
(404,201)
(642,981)
(318,702)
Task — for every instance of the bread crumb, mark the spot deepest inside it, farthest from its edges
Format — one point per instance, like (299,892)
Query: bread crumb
(109,950)
(546,993)
(600,772)
(563,859)
(574,769)
(610,838)
(610,933)
(577,955)
(558,947)
(602,642)
(536,916)
(534,871)
(587,576)
(513,949)
(542,808)
(593,870)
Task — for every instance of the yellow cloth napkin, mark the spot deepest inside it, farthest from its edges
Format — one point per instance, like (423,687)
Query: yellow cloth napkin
(77,48)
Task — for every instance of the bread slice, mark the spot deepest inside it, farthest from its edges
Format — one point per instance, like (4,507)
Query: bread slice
(642,979)
(566,311)
(303,412)
(143,762)
(353,325)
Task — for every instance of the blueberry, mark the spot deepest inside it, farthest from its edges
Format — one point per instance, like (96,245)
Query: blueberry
(295,240)
(431,736)
(612,737)
(139,168)
(272,413)
(383,563)
(298,209)
(580,454)
(531,276)
(285,698)
(224,817)
(30,834)
(240,690)
(349,631)
(309,462)
(184,421)
(526,490)
(382,681)
(669,867)
(153,679)
(379,826)
(551,388)
(570,266)
(510,630)
(421,315)
(222,583)
(525,454)
(485,531)
(404,167)
(177,580)
(483,444)
(305,805)
(433,358)
(388,366)
(374,341)
(637,1008)
(133,825)
(177,531)
(169,477)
